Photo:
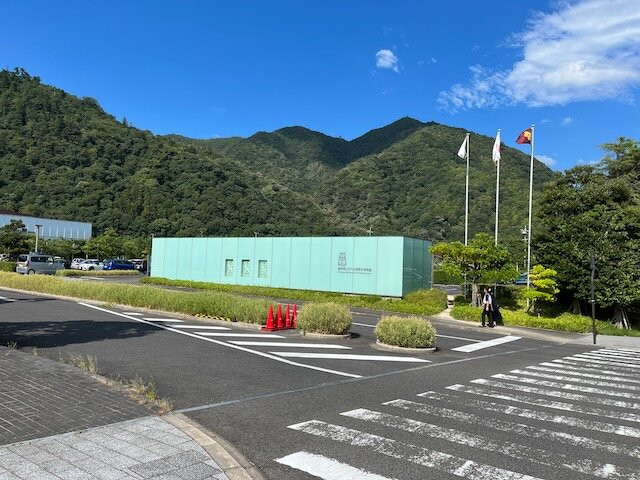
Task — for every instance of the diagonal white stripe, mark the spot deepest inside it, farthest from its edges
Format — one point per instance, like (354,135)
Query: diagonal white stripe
(618,353)
(540,402)
(489,343)
(293,345)
(347,356)
(482,405)
(609,365)
(585,365)
(326,468)
(201,327)
(241,335)
(152,319)
(519,429)
(583,372)
(564,386)
(624,351)
(134,314)
(557,393)
(606,361)
(514,450)
(613,357)
(404,451)
(576,378)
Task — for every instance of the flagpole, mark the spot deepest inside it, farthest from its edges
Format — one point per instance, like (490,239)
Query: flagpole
(466,199)
(497,193)
(530,204)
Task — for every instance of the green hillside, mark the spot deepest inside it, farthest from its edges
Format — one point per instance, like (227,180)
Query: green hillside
(64,157)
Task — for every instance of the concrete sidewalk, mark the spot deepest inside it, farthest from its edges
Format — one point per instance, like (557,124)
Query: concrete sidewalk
(59,422)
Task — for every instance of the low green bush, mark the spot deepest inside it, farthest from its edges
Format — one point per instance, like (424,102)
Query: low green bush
(327,318)
(461,300)
(443,277)
(7,266)
(96,273)
(221,304)
(409,332)
(421,302)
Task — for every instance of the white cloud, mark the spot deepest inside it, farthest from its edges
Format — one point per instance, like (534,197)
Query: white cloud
(545,120)
(387,59)
(434,60)
(548,161)
(566,121)
(587,50)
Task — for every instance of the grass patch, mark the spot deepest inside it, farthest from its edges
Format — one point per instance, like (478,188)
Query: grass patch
(96,273)
(7,266)
(145,392)
(563,322)
(408,332)
(422,302)
(203,303)
(88,364)
(327,318)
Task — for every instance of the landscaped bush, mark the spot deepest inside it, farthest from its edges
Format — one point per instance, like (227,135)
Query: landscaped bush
(461,300)
(327,318)
(242,309)
(409,332)
(95,273)
(7,266)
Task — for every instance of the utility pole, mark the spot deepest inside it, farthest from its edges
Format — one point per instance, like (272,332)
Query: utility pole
(37,236)
(593,296)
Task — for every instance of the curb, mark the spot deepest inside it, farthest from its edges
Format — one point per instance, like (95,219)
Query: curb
(228,458)
(394,348)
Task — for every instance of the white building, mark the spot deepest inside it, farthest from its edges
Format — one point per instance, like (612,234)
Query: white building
(50,228)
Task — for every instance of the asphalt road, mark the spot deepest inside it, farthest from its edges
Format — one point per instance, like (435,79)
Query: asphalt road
(477,408)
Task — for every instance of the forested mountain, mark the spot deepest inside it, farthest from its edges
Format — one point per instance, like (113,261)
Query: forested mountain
(64,157)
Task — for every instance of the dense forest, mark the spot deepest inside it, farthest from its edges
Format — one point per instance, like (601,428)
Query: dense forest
(64,157)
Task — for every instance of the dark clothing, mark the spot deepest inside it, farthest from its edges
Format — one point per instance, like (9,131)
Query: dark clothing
(487,309)
(487,313)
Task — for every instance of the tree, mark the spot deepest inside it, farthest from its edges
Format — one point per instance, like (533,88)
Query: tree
(13,238)
(543,287)
(481,259)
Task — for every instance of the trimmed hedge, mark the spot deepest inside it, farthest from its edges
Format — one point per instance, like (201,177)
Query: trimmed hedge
(96,273)
(408,332)
(327,318)
(213,304)
(7,266)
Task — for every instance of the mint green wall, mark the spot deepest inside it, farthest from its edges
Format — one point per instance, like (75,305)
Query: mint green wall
(387,266)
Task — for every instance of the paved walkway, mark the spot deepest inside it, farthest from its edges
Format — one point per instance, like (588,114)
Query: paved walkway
(58,422)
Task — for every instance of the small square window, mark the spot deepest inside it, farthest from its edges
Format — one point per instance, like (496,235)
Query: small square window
(228,267)
(244,268)
(262,269)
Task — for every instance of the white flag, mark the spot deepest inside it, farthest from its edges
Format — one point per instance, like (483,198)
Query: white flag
(462,153)
(496,149)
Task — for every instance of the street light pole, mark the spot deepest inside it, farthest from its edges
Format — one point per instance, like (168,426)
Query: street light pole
(593,296)
(37,236)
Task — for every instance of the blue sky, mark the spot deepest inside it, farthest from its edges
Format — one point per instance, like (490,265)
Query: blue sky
(206,69)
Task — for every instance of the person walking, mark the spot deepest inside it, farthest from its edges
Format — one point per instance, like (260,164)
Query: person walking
(487,309)
(494,308)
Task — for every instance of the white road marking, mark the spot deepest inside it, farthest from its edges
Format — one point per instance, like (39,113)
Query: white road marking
(347,356)
(292,345)
(154,319)
(240,335)
(326,468)
(576,379)
(564,386)
(543,402)
(224,344)
(614,357)
(556,393)
(588,366)
(482,405)
(363,324)
(612,365)
(514,450)
(486,344)
(584,372)
(5,299)
(519,429)
(438,335)
(622,350)
(620,353)
(135,314)
(600,358)
(202,327)
(405,451)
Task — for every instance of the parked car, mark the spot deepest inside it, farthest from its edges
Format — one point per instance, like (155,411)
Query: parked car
(91,264)
(75,262)
(32,263)
(117,264)
(522,279)
(140,263)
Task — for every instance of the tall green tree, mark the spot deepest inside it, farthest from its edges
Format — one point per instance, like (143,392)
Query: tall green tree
(543,287)
(13,238)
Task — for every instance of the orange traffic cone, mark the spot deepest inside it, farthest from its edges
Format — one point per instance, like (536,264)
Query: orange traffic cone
(287,317)
(280,320)
(294,316)
(271,325)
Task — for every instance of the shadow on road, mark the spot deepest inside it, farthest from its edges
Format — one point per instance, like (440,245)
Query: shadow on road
(57,334)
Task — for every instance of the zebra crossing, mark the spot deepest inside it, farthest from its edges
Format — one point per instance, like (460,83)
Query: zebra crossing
(572,417)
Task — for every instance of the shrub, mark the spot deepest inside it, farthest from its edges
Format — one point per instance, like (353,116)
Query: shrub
(328,318)
(461,300)
(7,266)
(410,332)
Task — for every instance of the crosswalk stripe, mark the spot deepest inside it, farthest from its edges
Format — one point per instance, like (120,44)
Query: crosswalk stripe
(242,335)
(489,343)
(618,353)
(622,351)
(514,450)
(596,358)
(582,372)
(558,394)
(588,366)
(347,356)
(326,468)
(577,379)
(445,462)
(201,327)
(520,429)
(541,402)
(564,386)
(293,345)
(613,358)
(600,363)
(482,405)
(153,319)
